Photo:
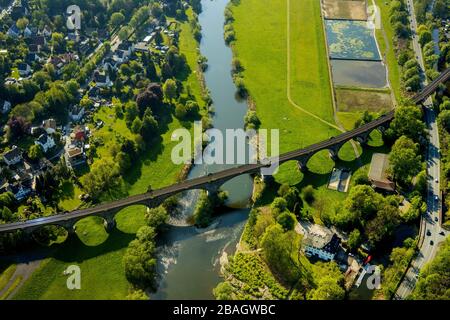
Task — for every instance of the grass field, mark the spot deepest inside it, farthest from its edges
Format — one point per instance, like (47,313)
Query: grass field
(385,37)
(359,100)
(261,46)
(96,252)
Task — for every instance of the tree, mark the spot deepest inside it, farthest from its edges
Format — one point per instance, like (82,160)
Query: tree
(281,251)
(308,193)
(425,37)
(407,122)
(287,220)
(137,295)
(131,112)
(170,89)
(444,119)
(290,194)
(103,177)
(361,204)
(434,278)
(117,18)
(278,205)
(354,240)
(58,42)
(22,23)
(156,217)
(35,152)
(149,129)
(383,225)
(139,259)
(404,160)
(223,291)
(136,126)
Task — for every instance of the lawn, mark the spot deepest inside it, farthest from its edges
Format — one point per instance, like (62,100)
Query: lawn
(385,37)
(96,252)
(266,79)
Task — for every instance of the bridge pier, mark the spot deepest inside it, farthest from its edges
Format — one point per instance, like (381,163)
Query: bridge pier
(363,138)
(110,223)
(302,166)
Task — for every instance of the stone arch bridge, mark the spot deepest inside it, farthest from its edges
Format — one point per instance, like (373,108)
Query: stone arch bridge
(214,181)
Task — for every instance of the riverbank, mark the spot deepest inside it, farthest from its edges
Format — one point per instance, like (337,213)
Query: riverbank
(100,254)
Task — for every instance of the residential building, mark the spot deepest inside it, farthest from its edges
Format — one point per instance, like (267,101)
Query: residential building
(76,113)
(74,156)
(24,69)
(49,125)
(378,176)
(5,106)
(102,80)
(45,141)
(12,157)
(321,242)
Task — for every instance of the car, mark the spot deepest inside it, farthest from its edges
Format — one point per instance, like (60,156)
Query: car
(436,198)
(436,219)
(442,233)
(431,242)
(436,180)
(428,233)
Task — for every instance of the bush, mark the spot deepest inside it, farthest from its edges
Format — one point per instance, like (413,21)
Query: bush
(308,194)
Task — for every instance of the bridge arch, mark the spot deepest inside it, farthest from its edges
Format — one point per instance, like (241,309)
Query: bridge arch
(50,234)
(289,172)
(91,230)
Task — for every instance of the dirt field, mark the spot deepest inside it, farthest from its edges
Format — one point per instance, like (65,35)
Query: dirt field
(358,100)
(344,9)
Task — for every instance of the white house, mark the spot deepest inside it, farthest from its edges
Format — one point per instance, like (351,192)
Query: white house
(5,106)
(49,125)
(45,141)
(76,113)
(24,69)
(321,242)
(102,80)
(12,157)
(13,31)
(123,51)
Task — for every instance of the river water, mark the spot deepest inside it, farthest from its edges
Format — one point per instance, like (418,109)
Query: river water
(188,258)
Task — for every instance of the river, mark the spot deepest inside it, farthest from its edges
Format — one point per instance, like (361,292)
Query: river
(188,258)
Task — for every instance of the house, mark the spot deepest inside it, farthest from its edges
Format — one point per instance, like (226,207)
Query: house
(19,190)
(39,41)
(49,125)
(5,106)
(31,58)
(45,141)
(13,31)
(141,47)
(321,242)
(74,156)
(123,51)
(120,56)
(24,69)
(33,48)
(378,172)
(102,80)
(27,32)
(76,113)
(73,36)
(46,32)
(12,157)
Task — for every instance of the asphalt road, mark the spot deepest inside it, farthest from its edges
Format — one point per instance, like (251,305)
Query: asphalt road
(431,221)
